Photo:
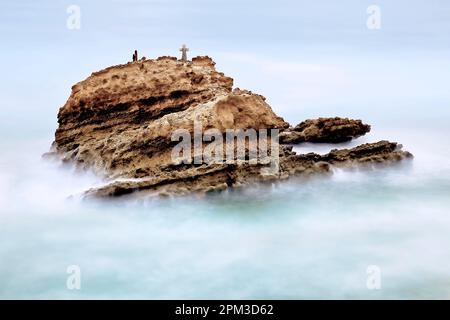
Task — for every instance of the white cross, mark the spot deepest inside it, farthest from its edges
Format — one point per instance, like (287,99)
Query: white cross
(184,51)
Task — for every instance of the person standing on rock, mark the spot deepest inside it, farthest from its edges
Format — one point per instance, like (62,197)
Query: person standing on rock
(184,51)
(135,56)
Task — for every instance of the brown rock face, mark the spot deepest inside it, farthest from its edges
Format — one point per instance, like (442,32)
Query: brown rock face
(120,122)
(325,130)
(207,178)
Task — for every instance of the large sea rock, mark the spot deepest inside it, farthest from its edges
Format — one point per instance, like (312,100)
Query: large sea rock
(120,121)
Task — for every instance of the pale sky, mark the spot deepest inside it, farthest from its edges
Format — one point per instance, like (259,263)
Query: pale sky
(309,58)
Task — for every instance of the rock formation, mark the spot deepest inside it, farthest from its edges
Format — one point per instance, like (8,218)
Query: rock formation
(206,178)
(325,130)
(120,122)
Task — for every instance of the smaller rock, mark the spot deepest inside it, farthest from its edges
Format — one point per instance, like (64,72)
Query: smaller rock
(289,136)
(379,152)
(325,130)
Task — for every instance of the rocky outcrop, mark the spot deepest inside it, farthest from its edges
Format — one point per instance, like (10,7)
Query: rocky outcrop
(325,130)
(120,123)
(206,178)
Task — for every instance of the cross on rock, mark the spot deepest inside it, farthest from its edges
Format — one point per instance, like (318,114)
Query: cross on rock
(184,51)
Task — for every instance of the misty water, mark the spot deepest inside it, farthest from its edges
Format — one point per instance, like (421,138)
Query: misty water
(303,238)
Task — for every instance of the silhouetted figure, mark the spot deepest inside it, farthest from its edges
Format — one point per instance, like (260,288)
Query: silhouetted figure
(135,56)
(184,51)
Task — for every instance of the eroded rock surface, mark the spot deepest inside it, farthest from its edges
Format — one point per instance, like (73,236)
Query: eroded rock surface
(120,121)
(325,130)
(206,178)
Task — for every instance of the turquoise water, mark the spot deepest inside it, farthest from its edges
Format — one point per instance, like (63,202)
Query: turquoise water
(299,239)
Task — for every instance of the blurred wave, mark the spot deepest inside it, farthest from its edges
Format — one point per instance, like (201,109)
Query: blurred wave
(309,238)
